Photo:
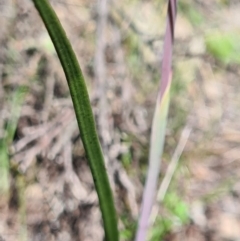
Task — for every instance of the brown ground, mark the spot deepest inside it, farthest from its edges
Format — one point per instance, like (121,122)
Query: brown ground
(51,194)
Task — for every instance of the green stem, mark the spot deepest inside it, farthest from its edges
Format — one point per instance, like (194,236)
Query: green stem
(84,116)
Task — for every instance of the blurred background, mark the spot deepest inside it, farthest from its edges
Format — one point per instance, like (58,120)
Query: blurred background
(46,189)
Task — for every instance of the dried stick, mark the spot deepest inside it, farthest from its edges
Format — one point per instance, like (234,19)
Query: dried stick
(77,189)
(171,169)
(36,132)
(63,139)
(100,73)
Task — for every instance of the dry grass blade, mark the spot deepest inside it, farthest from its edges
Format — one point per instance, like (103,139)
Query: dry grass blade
(158,126)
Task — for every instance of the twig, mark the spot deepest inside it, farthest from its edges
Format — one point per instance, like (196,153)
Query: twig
(100,73)
(1,103)
(49,89)
(44,142)
(171,169)
(63,139)
(173,164)
(129,187)
(71,177)
(35,132)
(104,122)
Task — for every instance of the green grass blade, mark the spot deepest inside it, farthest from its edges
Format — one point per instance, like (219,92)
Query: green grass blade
(158,125)
(16,102)
(4,169)
(84,116)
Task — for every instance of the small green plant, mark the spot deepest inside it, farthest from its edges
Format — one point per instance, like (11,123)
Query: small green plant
(127,233)
(126,157)
(162,226)
(15,102)
(224,47)
(192,13)
(177,207)
(176,214)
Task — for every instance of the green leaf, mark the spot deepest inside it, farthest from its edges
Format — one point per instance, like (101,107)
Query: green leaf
(84,115)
